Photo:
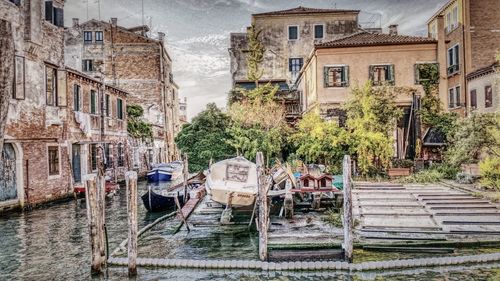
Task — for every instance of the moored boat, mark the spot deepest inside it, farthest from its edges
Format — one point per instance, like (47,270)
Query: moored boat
(232,181)
(165,171)
(109,188)
(157,201)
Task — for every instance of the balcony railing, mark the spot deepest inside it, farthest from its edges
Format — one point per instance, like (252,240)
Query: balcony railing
(452,69)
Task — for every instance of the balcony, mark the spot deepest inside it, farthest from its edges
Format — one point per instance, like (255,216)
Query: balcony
(452,69)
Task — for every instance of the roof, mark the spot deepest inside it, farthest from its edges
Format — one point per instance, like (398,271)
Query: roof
(492,68)
(365,38)
(304,10)
(440,10)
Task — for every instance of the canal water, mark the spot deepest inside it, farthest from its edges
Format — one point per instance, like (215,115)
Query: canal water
(52,243)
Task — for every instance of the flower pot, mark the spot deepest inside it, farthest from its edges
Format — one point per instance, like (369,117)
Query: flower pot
(398,172)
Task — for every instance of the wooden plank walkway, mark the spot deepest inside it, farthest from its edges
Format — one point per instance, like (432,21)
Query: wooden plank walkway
(301,265)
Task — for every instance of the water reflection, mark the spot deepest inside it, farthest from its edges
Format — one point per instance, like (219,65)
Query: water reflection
(52,244)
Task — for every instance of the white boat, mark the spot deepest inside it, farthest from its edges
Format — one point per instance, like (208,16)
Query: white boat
(235,178)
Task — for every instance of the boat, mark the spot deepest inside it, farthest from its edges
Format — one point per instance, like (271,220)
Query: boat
(165,171)
(110,188)
(157,200)
(232,181)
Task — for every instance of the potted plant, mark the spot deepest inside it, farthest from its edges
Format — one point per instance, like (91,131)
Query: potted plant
(400,167)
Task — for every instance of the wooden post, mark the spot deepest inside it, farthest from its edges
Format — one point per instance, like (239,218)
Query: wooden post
(263,208)
(101,197)
(288,203)
(179,212)
(93,221)
(185,174)
(131,181)
(347,219)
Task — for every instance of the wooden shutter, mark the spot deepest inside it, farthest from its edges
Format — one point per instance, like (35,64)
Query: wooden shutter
(370,73)
(48,11)
(391,74)
(61,88)
(325,76)
(345,73)
(59,17)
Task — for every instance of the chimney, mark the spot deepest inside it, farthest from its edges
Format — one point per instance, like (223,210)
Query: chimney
(75,22)
(114,21)
(393,29)
(161,36)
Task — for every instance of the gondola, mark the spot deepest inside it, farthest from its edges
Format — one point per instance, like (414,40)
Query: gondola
(156,202)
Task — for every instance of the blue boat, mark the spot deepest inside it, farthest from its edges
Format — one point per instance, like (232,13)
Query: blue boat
(165,171)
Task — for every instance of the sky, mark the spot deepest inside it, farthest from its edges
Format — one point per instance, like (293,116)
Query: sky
(197,31)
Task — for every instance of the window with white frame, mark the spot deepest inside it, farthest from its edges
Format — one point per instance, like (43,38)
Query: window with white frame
(454,97)
(294,66)
(382,74)
(319,31)
(98,36)
(454,59)
(452,19)
(87,65)
(87,37)
(336,76)
(293,32)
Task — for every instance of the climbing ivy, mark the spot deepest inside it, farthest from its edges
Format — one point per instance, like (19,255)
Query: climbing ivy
(136,127)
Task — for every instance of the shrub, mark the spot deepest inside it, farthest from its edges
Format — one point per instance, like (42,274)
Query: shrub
(465,178)
(425,176)
(333,218)
(489,169)
(402,163)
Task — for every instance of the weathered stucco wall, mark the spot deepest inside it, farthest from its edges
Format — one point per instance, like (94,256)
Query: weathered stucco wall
(479,84)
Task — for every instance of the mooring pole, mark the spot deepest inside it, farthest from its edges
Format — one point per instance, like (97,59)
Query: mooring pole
(93,222)
(263,211)
(131,182)
(185,174)
(347,218)
(101,198)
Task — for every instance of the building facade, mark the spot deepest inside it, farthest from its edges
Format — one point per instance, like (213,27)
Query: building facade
(35,159)
(96,117)
(484,89)
(335,67)
(468,32)
(130,60)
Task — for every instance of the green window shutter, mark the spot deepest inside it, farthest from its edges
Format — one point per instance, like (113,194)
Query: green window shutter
(391,74)
(345,79)
(370,73)
(325,76)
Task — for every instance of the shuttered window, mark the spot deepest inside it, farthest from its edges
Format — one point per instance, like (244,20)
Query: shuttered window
(53,14)
(53,156)
(382,74)
(93,102)
(488,96)
(76,97)
(51,85)
(119,109)
(453,59)
(473,99)
(87,37)
(318,31)
(87,65)
(98,37)
(336,76)
(293,32)
(107,105)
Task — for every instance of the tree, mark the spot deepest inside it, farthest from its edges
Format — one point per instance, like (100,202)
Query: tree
(205,138)
(319,141)
(372,115)
(136,127)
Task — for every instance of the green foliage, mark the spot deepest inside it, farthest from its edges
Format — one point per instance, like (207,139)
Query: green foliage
(136,127)
(433,174)
(319,141)
(372,115)
(206,138)
(431,112)
(333,218)
(255,54)
(474,136)
(489,169)
(402,163)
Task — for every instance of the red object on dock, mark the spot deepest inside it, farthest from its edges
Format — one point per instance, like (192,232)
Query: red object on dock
(312,190)
(108,186)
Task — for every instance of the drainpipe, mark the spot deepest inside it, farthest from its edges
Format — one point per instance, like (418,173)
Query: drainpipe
(465,19)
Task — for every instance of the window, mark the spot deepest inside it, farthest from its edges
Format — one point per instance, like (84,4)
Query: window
(87,65)
(98,37)
(93,157)
(488,96)
(19,77)
(473,99)
(336,76)
(54,15)
(93,102)
(293,32)
(119,109)
(381,74)
(426,72)
(108,156)
(76,97)
(121,161)
(51,85)
(453,59)
(53,152)
(16,2)
(454,97)
(294,66)
(108,108)
(319,31)
(87,37)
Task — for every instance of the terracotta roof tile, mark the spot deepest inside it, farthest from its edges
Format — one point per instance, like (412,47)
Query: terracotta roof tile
(364,38)
(305,10)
